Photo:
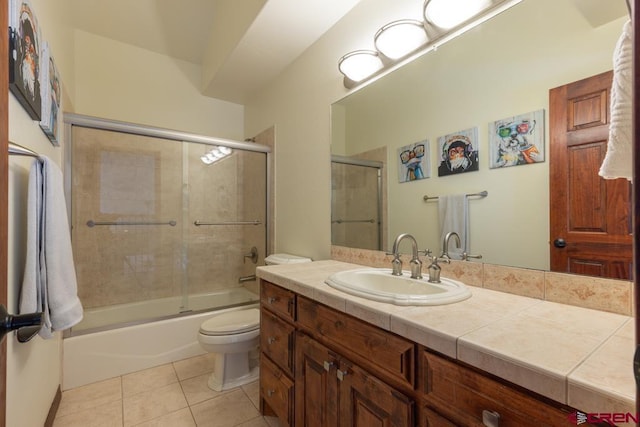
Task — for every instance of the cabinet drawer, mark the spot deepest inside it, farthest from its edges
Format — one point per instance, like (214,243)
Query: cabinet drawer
(393,355)
(277,391)
(278,300)
(276,340)
(465,394)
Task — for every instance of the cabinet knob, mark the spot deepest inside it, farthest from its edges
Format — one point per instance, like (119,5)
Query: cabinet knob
(490,418)
(271,340)
(270,392)
(328,365)
(272,300)
(341,374)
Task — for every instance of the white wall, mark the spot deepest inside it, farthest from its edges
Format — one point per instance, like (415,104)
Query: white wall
(299,102)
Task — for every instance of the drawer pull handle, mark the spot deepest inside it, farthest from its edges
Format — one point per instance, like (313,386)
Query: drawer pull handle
(270,392)
(271,340)
(327,365)
(341,374)
(490,418)
(273,300)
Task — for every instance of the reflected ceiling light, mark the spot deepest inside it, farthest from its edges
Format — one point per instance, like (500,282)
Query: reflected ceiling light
(449,13)
(359,64)
(399,38)
(215,154)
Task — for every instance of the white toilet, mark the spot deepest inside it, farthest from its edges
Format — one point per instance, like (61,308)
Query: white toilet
(234,338)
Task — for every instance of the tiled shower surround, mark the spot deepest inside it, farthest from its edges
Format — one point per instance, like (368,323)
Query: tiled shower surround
(119,177)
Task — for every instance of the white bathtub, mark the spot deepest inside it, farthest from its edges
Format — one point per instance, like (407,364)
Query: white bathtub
(97,356)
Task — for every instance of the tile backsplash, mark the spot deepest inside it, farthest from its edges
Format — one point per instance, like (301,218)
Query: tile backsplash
(614,296)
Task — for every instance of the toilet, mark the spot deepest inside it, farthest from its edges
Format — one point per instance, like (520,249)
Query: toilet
(234,337)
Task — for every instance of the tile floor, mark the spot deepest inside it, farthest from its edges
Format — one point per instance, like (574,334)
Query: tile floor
(171,395)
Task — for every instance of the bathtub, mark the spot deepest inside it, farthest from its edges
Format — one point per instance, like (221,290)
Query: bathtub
(102,354)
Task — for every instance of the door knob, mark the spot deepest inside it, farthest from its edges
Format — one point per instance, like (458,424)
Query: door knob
(560,243)
(27,325)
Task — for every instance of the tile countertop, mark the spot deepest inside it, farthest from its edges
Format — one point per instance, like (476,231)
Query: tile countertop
(576,356)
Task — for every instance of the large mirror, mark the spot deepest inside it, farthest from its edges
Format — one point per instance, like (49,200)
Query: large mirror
(503,68)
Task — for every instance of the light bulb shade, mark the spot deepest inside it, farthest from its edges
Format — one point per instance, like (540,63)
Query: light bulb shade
(450,13)
(359,64)
(399,38)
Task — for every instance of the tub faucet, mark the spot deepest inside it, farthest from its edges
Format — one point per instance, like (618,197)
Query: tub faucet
(445,244)
(415,263)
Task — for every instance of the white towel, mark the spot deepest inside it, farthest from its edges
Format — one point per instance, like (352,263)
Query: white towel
(617,161)
(49,283)
(453,215)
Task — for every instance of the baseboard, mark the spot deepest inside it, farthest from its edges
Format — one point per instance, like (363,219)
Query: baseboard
(54,408)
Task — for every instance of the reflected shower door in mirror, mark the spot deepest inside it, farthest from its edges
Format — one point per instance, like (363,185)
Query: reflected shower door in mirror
(502,69)
(357,214)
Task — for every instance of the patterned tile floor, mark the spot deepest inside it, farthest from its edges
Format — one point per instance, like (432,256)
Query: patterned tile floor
(172,395)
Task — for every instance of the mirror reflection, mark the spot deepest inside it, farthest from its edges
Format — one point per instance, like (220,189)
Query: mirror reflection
(502,69)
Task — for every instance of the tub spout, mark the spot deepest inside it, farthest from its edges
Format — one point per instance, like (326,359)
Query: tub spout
(247,278)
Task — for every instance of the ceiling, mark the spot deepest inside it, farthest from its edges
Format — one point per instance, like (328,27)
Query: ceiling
(241,45)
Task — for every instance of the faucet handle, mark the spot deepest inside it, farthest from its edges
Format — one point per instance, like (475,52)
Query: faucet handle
(466,256)
(426,252)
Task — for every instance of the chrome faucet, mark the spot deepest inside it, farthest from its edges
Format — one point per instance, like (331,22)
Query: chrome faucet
(415,263)
(435,269)
(445,244)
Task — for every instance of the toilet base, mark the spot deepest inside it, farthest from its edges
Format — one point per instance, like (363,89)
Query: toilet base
(233,370)
(216,384)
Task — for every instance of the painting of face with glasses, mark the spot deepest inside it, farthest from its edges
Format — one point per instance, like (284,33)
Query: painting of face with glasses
(517,140)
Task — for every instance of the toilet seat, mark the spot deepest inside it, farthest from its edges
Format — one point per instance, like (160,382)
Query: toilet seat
(232,323)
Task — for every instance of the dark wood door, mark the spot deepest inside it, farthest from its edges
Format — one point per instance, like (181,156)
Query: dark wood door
(316,401)
(590,216)
(4,189)
(365,401)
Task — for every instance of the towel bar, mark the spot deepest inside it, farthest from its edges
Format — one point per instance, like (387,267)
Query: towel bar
(480,194)
(92,223)
(198,223)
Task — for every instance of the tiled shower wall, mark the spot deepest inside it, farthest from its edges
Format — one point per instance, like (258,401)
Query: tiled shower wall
(120,177)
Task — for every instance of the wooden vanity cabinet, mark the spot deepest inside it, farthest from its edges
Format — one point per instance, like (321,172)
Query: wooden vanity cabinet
(332,391)
(459,395)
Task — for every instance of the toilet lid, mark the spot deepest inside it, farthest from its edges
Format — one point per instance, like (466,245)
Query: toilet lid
(232,322)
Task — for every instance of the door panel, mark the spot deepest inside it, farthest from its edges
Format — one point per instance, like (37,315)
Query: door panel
(4,189)
(590,216)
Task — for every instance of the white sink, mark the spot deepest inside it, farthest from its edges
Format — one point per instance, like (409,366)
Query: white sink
(379,284)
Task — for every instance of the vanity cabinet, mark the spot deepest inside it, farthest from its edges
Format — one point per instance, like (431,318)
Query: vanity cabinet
(321,367)
(332,391)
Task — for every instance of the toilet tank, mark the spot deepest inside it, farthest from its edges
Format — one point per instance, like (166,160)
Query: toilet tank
(277,259)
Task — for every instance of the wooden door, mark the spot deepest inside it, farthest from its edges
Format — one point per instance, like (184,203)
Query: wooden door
(590,216)
(365,401)
(316,401)
(4,189)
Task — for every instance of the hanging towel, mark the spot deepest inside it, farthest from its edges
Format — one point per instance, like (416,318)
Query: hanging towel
(453,215)
(617,161)
(49,283)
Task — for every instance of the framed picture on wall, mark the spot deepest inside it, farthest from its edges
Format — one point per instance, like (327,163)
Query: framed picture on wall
(51,95)
(517,140)
(413,162)
(458,152)
(24,57)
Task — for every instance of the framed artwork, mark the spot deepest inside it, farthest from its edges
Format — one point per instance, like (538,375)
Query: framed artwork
(24,57)
(517,140)
(51,118)
(458,152)
(413,162)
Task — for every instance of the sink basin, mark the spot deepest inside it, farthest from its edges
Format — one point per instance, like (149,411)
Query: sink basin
(379,284)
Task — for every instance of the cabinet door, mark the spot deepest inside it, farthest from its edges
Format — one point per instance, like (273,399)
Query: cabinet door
(365,401)
(316,401)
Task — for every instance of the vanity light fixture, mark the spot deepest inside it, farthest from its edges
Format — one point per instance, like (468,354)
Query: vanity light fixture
(215,154)
(360,64)
(447,14)
(399,38)
(400,42)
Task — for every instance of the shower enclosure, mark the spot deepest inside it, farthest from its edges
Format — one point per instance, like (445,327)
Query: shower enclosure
(356,203)
(163,223)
